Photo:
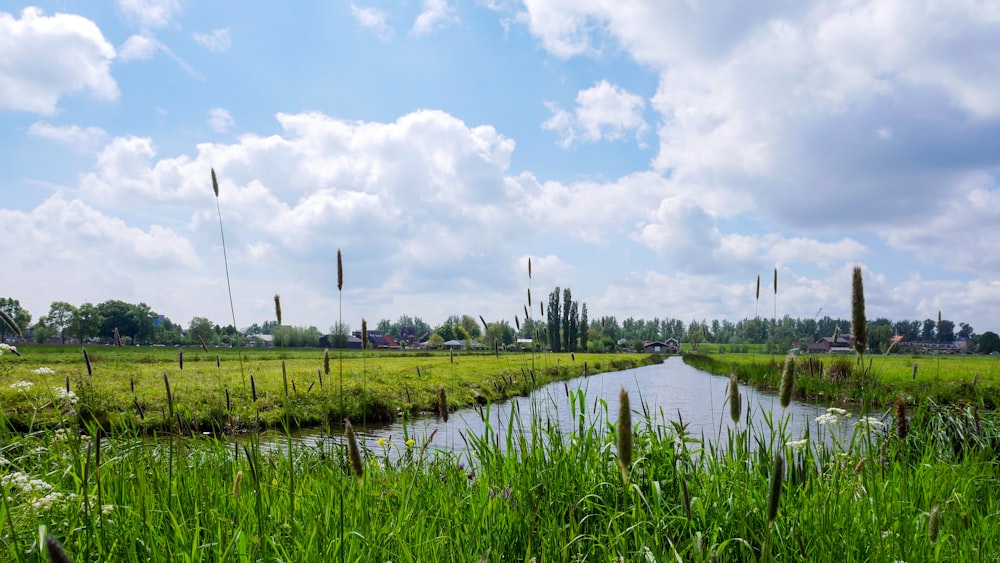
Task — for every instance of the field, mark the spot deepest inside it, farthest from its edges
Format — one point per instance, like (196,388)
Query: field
(227,391)
(962,379)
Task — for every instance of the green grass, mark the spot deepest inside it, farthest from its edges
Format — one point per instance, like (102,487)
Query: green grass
(877,383)
(541,492)
(376,386)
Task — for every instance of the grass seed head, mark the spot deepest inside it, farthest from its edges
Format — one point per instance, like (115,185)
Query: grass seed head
(529,267)
(277,308)
(236,484)
(326,361)
(7,320)
(55,551)
(353,451)
(934,524)
(902,423)
(86,360)
(215,184)
(758,288)
(776,281)
(340,271)
(364,334)
(735,400)
(859,325)
(774,488)
(624,433)
(787,381)
(442,404)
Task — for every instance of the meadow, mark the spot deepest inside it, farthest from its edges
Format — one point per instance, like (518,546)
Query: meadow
(233,391)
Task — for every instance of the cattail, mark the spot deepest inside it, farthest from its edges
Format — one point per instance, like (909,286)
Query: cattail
(859,325)
(934,524)
(340,271)
(787,381)
(55,551)
(735,400)
(215,183)
(442,404)
(774,488)
(353,452)
(624,434)
(180,358)
(118,338)
(170,397)
(86,360)
(236,484)
(902,424)
(364,334)
(914,370)
(201,342)
(529,267)
(277,307)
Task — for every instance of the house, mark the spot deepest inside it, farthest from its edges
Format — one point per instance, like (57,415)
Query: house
(260,340)
(330,341)
(459,344)
(378,339)
(843,344)
(671,346)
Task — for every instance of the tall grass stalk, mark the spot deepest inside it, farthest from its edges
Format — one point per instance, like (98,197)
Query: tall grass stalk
(229,285)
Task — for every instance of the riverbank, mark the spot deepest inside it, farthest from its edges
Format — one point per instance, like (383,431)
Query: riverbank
(234,391)
(877,382)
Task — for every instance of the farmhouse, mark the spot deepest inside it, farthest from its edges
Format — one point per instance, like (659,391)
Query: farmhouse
(843,344)
(671,346)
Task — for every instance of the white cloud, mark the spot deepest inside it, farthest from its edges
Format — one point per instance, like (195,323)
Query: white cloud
(435,14)
(372,19)
(150,13)
(138,47)
(81,138)
(218,40)
(604,111)
(220,120)
(46,58)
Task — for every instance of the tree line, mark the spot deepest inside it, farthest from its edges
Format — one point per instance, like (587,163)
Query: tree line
(564,326)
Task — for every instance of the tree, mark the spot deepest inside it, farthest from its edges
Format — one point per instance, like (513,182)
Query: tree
(86,322)
(20,316)
(117,314)
(927,330)
(435,341)
(202,328)
(43,330)
(989,342)
(966,331)
(553,317)
(945,331)
(60,317)
(584,327)
(339,333)
(566,312)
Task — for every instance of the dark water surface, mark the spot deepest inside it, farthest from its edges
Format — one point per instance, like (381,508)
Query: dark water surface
(671,391)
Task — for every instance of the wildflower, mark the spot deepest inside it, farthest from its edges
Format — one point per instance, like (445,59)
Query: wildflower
(106,509)
(43,371)
(22,386)
(871,423)
(838,412)
(8,348)
(62,394)
(410,443)
(798,444)
(827,418)
(381,442)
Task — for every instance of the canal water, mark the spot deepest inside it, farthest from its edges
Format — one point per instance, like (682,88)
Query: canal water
(671,391)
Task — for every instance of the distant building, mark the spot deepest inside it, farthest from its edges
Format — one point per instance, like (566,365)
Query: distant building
(843,344)
(670,346)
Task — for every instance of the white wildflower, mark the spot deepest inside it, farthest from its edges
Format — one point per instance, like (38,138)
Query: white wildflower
(8,348)
(46,502)
(66,396)
(22,386)
(837,411)
(871,423)
(828,418)
(4,461)
(798,444)
(106,509)
(43,371)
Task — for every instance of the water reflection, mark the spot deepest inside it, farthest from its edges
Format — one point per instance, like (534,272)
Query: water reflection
(671,391)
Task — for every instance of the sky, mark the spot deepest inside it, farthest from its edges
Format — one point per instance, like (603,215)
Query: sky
(653,156)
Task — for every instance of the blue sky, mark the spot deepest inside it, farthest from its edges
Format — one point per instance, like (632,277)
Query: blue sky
(653,156)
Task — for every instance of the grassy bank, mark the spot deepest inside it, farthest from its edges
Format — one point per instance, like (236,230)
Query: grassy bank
(877,382)
(236,390)
(923,491)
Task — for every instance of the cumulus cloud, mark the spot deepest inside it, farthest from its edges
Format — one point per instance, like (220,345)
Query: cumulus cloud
(604,111)
(138,47)
(218,40)
(373,20)
(434,15)
(48,57)
(220,120)
(82,138)
(150,13)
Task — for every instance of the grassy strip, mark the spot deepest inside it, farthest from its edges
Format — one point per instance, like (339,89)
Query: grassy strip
(129,386)
(541,491)
(878,382)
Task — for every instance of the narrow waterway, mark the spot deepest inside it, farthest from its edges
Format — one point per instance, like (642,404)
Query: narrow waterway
(671,391)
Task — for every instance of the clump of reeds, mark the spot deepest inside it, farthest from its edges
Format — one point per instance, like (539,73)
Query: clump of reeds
(774,488)
(787,381)
(859,325)
(353,451)
(442,404)
(624,434)
(902,423)
(735,400)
